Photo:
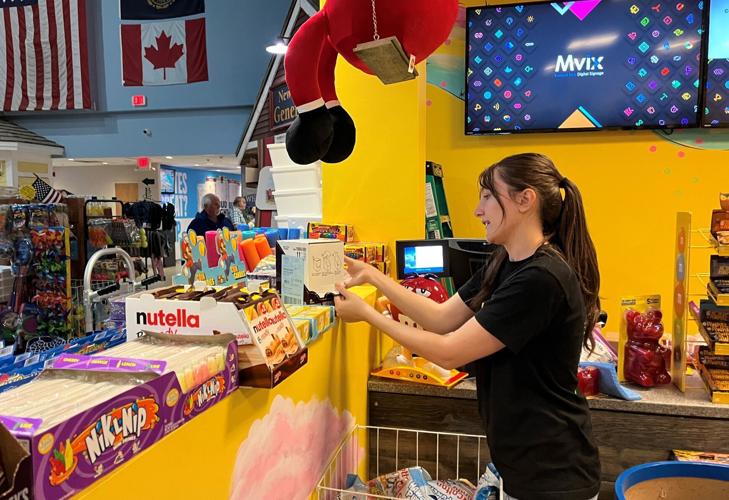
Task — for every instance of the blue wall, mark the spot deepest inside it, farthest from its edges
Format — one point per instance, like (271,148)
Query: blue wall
(198,118)
(185,198)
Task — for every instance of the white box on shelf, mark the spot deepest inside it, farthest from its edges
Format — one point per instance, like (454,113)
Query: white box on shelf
(279,156)
(299,220)
(297,176)
(298,201)
(306,270)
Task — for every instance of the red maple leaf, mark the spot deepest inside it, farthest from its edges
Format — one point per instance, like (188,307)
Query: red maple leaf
(163,56)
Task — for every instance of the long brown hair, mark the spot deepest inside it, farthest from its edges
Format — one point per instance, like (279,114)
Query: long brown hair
(563,224)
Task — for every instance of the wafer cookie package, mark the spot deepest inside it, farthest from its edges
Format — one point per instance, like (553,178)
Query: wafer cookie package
(86,415)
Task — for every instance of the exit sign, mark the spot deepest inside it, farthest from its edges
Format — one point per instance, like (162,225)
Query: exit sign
(139,100)
(143,162)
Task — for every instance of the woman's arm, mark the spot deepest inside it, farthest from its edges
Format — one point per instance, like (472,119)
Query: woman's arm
(456,348)
(467,343)
(432,316)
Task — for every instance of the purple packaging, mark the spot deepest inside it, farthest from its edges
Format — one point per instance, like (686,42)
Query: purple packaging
(118,311)
(70,456)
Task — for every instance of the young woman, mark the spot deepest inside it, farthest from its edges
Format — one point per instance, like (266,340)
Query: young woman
(522,319)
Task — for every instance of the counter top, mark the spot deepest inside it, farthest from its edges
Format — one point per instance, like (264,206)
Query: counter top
(663,400)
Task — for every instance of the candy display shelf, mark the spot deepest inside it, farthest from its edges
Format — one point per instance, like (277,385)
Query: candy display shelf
(720,348)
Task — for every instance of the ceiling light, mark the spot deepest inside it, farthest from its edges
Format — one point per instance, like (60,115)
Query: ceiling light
(104,162)
(279,47)
(71,159)
(168,157)
(197,164)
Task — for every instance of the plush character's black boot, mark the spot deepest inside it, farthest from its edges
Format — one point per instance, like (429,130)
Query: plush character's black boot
(310,136)
(344,136)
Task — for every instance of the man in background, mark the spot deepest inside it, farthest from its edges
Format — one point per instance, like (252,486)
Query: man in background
(238,214)
(210,218)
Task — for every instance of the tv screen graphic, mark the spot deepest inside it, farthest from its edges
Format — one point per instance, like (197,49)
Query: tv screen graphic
(167,181)
(584,65)
(716,100)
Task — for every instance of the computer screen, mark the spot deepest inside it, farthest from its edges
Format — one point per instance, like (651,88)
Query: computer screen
(423,259)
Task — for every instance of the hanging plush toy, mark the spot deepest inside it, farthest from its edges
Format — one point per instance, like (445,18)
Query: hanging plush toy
(391,36)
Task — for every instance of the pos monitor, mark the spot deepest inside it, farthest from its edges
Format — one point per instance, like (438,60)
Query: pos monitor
(457,258)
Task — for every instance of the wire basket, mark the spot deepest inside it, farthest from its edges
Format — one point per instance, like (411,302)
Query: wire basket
(444,455)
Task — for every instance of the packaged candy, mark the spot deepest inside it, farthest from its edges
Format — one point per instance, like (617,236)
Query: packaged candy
(410,483)
(450,489)
(588,379)
(18,217)
(488,484)
(356,486)
(38,216)
(643,358)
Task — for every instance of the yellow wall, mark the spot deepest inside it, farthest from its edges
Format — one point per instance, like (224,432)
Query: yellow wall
(633,183)
(380,188)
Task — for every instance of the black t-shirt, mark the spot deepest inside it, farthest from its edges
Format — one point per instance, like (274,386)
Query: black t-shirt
(538,428)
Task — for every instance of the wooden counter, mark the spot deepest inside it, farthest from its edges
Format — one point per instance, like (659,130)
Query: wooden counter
(628,432)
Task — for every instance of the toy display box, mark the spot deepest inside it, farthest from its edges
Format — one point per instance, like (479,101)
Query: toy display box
(307,270)
(61,460)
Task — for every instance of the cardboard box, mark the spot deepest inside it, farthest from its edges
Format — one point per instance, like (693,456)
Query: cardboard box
(306,270)
(341,232)
(277,350)
(189,317)
(130,422)
(320,318)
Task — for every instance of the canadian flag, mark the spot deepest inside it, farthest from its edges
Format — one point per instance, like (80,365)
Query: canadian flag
(164,53)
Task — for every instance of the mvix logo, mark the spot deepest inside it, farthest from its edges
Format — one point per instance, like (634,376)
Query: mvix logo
(572,64)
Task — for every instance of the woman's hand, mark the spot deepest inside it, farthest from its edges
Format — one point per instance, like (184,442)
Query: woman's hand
(351,308)
(360,273)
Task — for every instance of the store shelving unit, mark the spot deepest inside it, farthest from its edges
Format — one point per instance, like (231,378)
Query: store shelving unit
(715,351)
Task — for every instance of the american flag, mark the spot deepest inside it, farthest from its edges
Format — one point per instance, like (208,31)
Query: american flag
(43,55)
(45,193)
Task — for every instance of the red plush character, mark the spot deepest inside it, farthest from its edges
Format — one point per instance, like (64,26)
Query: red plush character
(323,130)
(427,286)
(645,358)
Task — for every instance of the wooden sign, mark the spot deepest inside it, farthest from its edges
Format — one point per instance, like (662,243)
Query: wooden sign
(283,110)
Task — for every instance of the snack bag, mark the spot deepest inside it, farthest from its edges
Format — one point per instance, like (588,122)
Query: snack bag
(488,484)
(410,483)
(451,489)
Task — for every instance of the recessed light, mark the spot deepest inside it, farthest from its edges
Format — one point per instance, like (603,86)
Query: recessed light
(168,157)
(197,164)
(279,48)
(71,159)
(104,162)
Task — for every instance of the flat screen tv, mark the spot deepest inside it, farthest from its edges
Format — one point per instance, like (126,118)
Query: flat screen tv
(583,65)
(166,180)
(716,100)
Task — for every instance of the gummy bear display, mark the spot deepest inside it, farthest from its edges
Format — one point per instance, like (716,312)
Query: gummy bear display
(645,358)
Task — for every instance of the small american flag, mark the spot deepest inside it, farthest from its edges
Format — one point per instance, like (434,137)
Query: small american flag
(45,193)
(43,55)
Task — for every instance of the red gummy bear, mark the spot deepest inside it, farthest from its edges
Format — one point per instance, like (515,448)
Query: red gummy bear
(645,358)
